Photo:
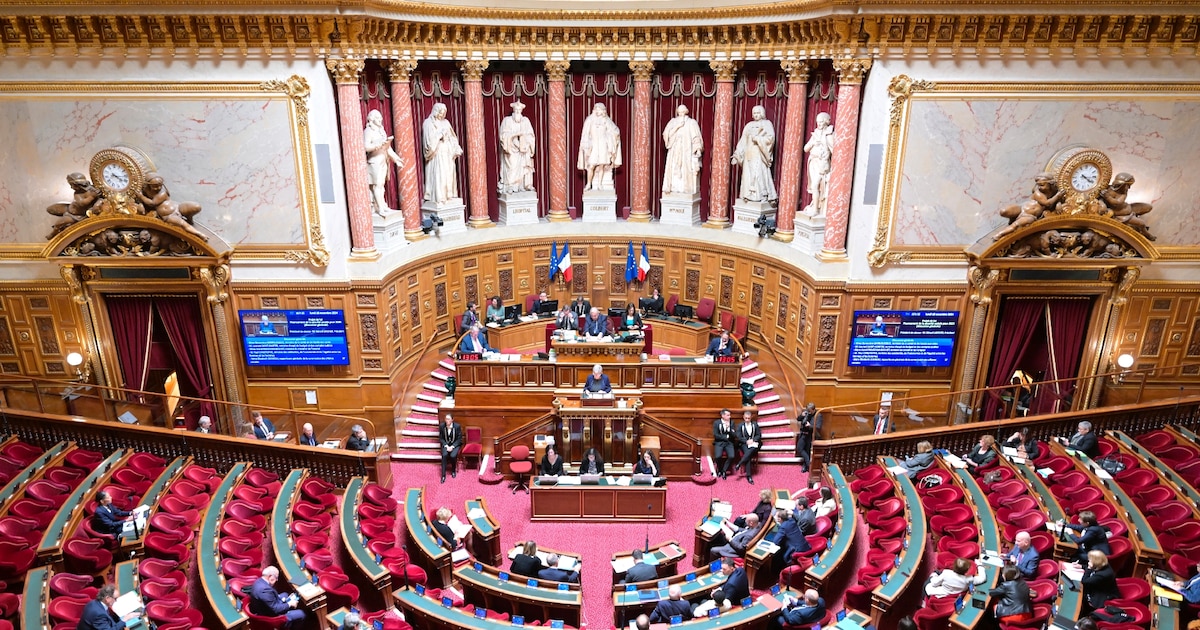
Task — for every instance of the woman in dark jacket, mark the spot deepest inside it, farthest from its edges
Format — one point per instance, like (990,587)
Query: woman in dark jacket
(592,463)
(527,563)
(764,510)
(1093,535)
(552,464)
(1012,597)
(1099,581)
(981,455)
(647,465)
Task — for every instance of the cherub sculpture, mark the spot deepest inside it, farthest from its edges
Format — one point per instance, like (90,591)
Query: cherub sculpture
(1130,214)
(1045,198)
(155,197)
(86,197)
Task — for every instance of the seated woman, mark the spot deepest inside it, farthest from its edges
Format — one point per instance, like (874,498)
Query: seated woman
(981,455)
(764,509)
(631,320)
(442,527)
(1092,537)
(655,303)
(592,463)
(921,461)
(495,309)
(527,562)
(1012,597)
(1099,581)
(1025,446)
(552,464)
(826,505)
(953,581)
(647,465)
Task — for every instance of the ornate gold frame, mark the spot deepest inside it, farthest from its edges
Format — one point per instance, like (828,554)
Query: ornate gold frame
(904,89)
(294,90)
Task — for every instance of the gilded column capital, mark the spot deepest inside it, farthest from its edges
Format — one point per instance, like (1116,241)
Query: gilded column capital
(473,70)
(724,70)
(641,70)
(851,70)
(399,69)
(797,69)
(345,70)
(556,70)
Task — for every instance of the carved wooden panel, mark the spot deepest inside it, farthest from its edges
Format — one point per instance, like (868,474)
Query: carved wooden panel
(394,318)
(506,286)
(541,274)
(616,277)
(47,334)
(470,263)
(782,315)
(439,299)
(471,288)
(270,302)
(6,342)
(1161,304)
(655,279)
(439,271)
(369,329)
(1152,340)
(756,299)
(414,310)
(365,299)
(39,303)
(802,322)
(827,333)
(785,281)
(315,301)
(1193,348)
(725,298)
(728,263)
(881,303)
(579,278)
(830,301)
(691,287)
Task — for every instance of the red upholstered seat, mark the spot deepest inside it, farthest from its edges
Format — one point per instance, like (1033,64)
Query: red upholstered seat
(1134,589)
(66,476)
(83,459)
(19,529)
(1155,440)
(318,560)
(165,546)
(242,550)
(672,302)
(163,589)
(48,492)
(473,448)
(377,494)
(66,609)
(150,568)
(22,452)
(237,567)
(172,610)
(520,466)
(147,463)
(209,478)
(133,480)
(72,584)
(705,309)
(34,510)
(80,555)
(338,589)
(1042,591)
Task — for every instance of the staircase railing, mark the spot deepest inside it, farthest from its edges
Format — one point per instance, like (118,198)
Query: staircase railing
(546,425)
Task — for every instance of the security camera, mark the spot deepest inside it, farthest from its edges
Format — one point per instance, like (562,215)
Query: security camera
(765,226)
(431,223)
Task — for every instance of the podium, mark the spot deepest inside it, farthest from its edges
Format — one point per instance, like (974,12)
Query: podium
(597,351)
(608,428)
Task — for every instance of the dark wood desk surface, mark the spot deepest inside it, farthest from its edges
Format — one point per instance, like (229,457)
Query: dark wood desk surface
(598,502)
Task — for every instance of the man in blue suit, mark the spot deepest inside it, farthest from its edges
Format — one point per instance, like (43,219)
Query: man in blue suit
(475,342)
(264,429)
(1024,556)
(266,602)
(802,613)
(555,574)
(108,518)
(737,586)
(597,381)
(674,605)
(720,346)
(790,539)
(596,324)
(98,614)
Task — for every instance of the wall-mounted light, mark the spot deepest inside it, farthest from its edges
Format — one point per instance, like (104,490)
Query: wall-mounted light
(1125,361)
(83,373)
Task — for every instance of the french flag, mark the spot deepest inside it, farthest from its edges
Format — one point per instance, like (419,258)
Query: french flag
(643,265)
(564,263)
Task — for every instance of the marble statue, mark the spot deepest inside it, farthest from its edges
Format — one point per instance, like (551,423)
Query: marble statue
(517,145)
(820,161)
(68,212)
(1130,214)
(1044,198)
(379,152)
(157,200)
(441,152)
(599,149)
(681,172)
(755,152)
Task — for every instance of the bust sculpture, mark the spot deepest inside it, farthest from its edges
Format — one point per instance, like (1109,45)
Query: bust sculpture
(755,152)
(441,151)
(517,146)
(681,172)
(599,149)
(378,146)
(820,161)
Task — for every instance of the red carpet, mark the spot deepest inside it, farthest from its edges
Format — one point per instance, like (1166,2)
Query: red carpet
(595,542)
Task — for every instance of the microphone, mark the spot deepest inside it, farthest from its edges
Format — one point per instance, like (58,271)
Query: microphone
(646,549)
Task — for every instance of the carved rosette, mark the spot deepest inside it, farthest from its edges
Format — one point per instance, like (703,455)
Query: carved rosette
(851,71)
(557,70)
(641,69)
(345,70)
(797,69)
(399,69)
(473,70)
(900,89)
(725,71)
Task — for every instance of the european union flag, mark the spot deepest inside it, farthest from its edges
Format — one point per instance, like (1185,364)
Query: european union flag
(631,268)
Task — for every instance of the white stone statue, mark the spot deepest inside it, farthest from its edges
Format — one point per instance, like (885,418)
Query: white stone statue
(517,145)
(755,153)
(599,149)
(379,151)
(681,172)
(820,162)
(441,151)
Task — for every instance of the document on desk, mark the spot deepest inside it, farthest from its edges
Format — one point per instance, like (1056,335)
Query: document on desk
(127,603)
(1072,570)
(767,547)
(711,526)
(569,481)
(991,558)
(898,470)
(476,513)
(459,555)
(722,509)
(955,461)
(1045,472)
(785,504)
(568,563)
(1101,473)
(459,528)
(620,481)
(621,564)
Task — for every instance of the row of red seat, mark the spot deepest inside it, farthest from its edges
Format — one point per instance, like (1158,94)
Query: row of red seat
(875,492)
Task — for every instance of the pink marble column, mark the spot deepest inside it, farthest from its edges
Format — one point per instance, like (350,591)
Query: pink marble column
(792,155)
(556,101)
(477,177)
(399,71)
(640,204)
(354,157)
(722,145)
(841,174)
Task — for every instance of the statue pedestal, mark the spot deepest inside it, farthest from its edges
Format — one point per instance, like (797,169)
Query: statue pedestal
(389,231)
(600,206)
(810,233)
(450,212)
(679,209)
(747,213)
(519,208)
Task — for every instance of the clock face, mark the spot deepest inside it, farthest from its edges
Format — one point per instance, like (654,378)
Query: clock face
(1085,177)
(115,176)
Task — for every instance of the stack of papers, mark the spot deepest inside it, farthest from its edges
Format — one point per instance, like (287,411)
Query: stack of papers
(785,504)
(722,509)
(459,528)
(898,470)
(475,513)
(621,564)
(127,603)
(710,526)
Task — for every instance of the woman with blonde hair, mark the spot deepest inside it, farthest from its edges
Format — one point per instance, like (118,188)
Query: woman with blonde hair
(921,461)
(527,562)
(981,455)
(1099,581)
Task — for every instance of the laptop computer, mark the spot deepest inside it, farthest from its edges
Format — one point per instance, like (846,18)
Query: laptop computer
(589,479)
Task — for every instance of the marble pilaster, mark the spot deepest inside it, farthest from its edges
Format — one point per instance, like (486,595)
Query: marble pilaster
(358,195)
(477,177)
(556,102)
(640,204)
(399,71)
(845,137)
(792,157)
(722,145)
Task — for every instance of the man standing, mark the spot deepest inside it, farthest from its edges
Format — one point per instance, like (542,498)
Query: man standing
(750,437)
(266,602)
(98,614)
(470,318)
(597,381)
(599,149)
(736,547)
(379,152)
(723,440)
(450,438)
(804,435)
(517,146)
(685,145)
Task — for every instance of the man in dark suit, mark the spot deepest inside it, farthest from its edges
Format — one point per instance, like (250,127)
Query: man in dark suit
(264,429)
(806,423)
(597,381)
(673,605)
(720,346)
(737,586)
(810,610)
(596,324)
(723,441)
(555,574)
(475,342)
(805,517)
(581,306)
(358,439)
(737,546)
(470,318)
(266,602)
(537,303)
(566,319)
(307,436)
(789,538)
(98,614)
(640,571)
(108,518)
(1083,440)
(749,435)
(450,439)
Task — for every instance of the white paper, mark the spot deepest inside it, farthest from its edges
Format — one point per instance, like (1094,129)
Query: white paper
(569,481)
(1008,451)
(722,509)
(621,564)
(127,603)
(955,461)
(1101,473)
(650,559)
(459,555)
(310,396)
(767,547)
(785,504)
(621,481)
(476,513)
(610,480)
(710,527)
(1045,472)
(568,563)
(898,470)
(458,527)
(1072,570)
(308,591)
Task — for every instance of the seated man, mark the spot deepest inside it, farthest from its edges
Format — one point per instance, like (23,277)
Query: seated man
(1024,556)
(673,606)
(596,324)
(204,425)
(358,439)
(640,571)
(474,342)
(307,437)
(264,429)
(737,546)
(555,574)
(537,303)
(566,319)
(597,382)
(801,613)
(737,585)
(98,614)
(720,346)
(718,601)
(1083,440)
(266,602)
(108,518)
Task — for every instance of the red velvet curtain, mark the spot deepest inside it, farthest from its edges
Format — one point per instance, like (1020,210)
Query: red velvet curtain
(508,82)
(440,82)
(1018,319)
(758,83)
(376,93)
(822,98)
(611,83)
(185,328)
(1066,330)
(675,84)
(130,318)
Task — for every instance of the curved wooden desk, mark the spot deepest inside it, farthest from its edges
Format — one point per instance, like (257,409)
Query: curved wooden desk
(974,611)
(912,555)
(598,502)
(631,600)
(355,543)
(664,556)
(844,530)
(71,512)
(291,567)
(535,599)
(430,555)
(484,542)
(208,559)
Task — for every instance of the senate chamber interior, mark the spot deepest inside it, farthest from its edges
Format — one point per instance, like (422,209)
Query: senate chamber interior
(316,314)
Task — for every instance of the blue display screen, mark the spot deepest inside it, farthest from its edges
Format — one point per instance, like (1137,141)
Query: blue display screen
(280,337)
(903,338)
